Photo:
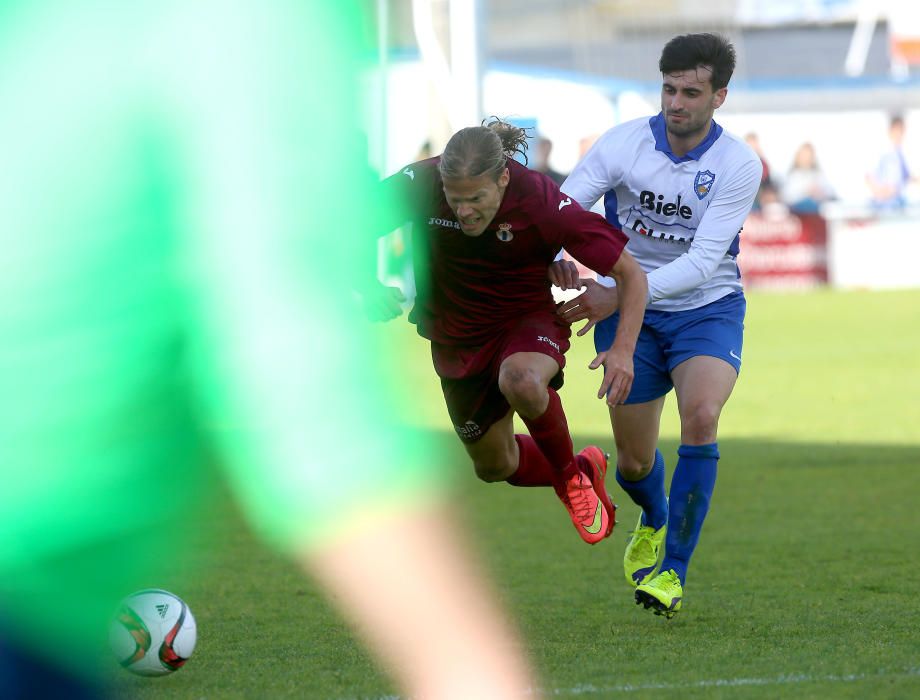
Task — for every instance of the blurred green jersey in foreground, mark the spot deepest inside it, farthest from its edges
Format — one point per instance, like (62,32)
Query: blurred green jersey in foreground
(181,198)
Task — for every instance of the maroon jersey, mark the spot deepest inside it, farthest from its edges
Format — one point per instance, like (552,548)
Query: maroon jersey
(469,287)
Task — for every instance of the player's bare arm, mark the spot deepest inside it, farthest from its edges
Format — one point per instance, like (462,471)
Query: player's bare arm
(381,303)
(632,296)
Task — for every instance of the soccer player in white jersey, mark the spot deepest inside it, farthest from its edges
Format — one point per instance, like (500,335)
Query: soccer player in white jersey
(680,187)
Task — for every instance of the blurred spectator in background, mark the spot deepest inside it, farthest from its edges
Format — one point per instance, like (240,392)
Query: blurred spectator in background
(891,175)
(543,149)
(424,151)
(806,187)
(585,143)
(772,205)
(753,141)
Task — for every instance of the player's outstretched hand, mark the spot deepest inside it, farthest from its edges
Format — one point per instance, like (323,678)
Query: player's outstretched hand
(595,304)
(564,274)
(382,303)
(618,375)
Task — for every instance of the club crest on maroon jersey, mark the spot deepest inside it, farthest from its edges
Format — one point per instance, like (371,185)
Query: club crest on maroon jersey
(504,233)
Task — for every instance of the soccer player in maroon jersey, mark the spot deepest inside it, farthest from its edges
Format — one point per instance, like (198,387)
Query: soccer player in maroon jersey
(485,231)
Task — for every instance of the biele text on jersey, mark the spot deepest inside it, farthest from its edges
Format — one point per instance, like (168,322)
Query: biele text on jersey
(683,214)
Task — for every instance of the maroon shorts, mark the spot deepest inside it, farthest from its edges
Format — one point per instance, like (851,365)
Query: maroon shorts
(469,375)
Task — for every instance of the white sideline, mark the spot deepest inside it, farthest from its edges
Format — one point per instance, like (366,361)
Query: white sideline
(589,688)
(732,682)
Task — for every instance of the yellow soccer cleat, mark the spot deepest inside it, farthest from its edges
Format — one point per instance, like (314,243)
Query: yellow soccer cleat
(644,552)
(663,594)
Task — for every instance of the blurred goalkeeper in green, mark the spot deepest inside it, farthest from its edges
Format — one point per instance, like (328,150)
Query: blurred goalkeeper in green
(177,213)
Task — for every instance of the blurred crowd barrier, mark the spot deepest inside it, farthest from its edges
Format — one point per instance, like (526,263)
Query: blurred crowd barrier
(842,247)
(780,249)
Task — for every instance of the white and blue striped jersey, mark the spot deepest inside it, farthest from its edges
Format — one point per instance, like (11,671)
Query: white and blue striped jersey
(683,215)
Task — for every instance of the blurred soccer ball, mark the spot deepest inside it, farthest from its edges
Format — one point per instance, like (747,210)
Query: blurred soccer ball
(153,633)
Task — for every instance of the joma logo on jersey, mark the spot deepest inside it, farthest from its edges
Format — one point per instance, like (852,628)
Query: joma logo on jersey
(435,221)
(652,202)
(544,339)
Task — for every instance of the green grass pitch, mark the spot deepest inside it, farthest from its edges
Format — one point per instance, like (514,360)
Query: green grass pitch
(805,583)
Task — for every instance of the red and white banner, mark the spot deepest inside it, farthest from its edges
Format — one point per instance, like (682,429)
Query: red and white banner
(783,250)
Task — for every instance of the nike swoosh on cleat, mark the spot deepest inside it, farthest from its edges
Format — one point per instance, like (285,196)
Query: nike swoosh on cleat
(595,527)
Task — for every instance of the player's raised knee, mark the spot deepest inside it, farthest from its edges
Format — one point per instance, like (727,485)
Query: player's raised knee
(524,389)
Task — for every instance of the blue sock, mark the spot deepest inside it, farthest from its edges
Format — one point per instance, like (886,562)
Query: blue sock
(648,493)
(691,488)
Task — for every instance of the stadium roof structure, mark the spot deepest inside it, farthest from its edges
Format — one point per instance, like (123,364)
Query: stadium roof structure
(788,68)
(614,44)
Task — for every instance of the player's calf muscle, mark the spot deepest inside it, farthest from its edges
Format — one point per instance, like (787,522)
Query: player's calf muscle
(492,472)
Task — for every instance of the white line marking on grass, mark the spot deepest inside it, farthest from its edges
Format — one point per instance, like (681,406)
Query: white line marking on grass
(588,688)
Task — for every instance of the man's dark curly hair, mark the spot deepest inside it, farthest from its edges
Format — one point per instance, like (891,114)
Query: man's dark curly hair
(688,51)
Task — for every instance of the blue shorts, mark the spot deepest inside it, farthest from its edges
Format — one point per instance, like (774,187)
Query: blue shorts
(668,338)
